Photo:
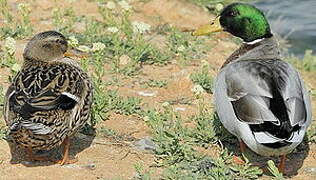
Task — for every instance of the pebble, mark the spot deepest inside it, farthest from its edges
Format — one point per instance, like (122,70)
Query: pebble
(72,166)
(145,143)
(147,94)
(124,60)
(179,109)
(310,170)
(90,166)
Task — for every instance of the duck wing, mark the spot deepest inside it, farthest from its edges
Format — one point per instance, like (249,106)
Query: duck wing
(43,89)
(269,96)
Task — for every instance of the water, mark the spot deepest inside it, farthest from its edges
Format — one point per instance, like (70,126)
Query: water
(293,19)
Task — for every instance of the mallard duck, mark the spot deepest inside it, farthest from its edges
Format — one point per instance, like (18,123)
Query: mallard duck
(259,98)
(49,99)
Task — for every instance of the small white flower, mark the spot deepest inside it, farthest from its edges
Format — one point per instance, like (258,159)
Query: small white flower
(146,118)
(73,41)
(124,5)
(165,104)
(84,48)
(204,63)
(112,29)
(197,89)
(219,7)
(9,46)
(181,48)
(24,7)
(97,47)
(140,27)
(110,5)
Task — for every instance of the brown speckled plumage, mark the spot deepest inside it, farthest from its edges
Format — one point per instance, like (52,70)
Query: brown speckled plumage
(50,98)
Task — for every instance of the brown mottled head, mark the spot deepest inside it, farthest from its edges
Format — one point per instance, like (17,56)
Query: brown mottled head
(46,46)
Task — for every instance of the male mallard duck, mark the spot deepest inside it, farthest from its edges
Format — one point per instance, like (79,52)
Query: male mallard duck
(49,99)
(259,98)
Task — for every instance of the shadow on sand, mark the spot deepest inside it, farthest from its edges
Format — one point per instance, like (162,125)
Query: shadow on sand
(79,142)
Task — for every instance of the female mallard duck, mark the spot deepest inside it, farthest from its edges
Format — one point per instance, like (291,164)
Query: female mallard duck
(49,99)
(259,98)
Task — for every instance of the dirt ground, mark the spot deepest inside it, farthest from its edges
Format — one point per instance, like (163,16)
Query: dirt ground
(100,158)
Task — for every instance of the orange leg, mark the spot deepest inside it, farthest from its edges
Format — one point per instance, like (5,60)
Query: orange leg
(66,160)
(282,164)
(236,159)
(242,146)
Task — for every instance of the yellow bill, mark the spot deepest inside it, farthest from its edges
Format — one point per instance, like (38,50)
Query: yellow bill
(215,26)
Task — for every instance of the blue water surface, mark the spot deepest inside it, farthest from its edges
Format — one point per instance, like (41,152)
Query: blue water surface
(293,19)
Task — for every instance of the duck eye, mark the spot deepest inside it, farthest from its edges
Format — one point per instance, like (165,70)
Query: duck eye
(60,41)
(233,13)
(46,45)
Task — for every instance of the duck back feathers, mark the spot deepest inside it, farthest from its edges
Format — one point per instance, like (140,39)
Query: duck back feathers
(47,103)
(265,95)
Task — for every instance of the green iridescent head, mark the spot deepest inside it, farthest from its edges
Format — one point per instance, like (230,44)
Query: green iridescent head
(241,20)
